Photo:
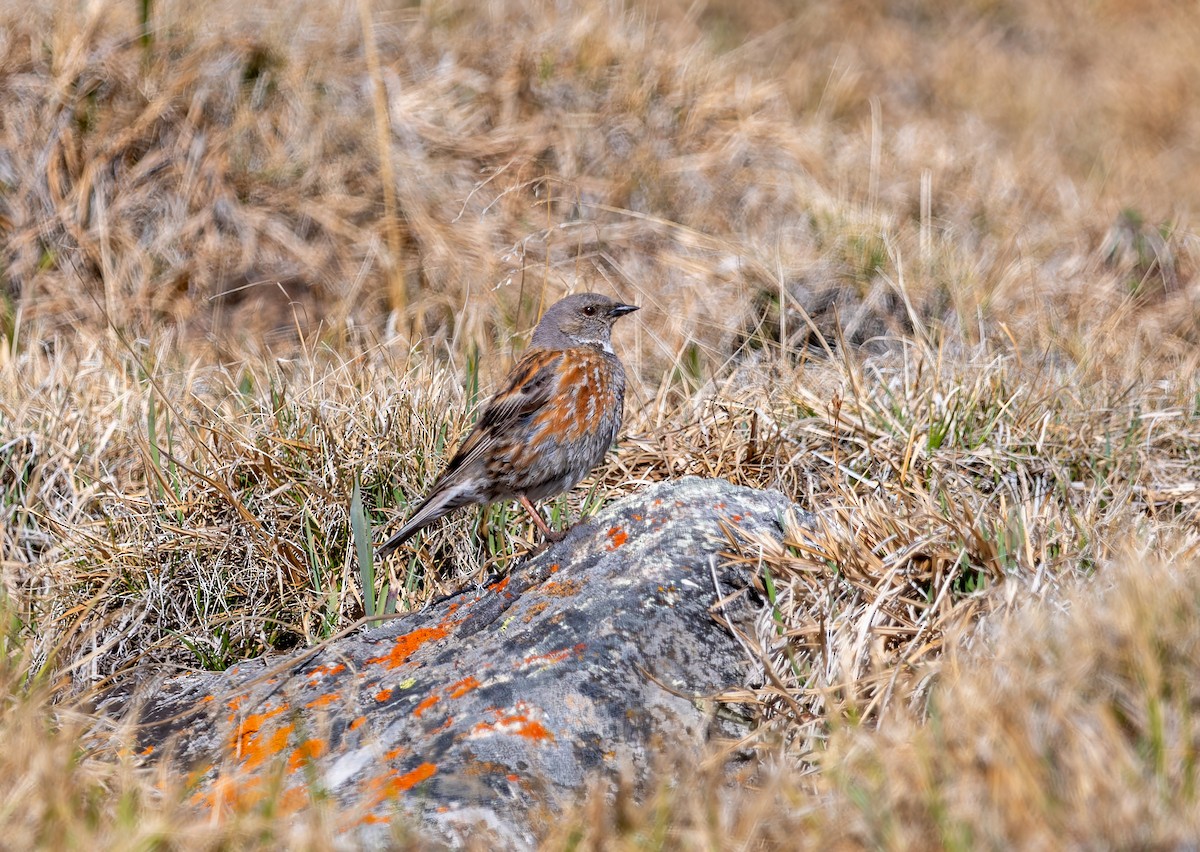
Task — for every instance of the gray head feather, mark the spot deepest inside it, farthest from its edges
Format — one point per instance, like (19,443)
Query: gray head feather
(585,319)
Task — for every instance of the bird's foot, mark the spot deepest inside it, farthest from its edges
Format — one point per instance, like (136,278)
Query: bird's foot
(540,522)
(549,539)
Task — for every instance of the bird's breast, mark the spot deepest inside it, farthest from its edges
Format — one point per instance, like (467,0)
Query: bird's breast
(589,397)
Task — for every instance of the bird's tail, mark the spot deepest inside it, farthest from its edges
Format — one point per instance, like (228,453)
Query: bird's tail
(444,498)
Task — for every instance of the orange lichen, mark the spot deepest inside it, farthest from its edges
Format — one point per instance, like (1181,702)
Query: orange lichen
(194,777)
(358,723)
(462,687)
(479,768)
(564,589)
(293,799)
(446,724)
(517,725)
(323,700)
(255,750)
(252,745)
(241,794)
(383,694)
(394,753)
(306,751)
(147,750)
(617,537)
(534,730)
(555,568)
(517,722)
(499,585)
(551,657)
(231,794)
(394,783)
(411,779)
(323,671)
(425,705)
(534,611)
(408,644)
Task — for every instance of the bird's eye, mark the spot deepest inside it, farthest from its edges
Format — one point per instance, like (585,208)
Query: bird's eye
(590,310)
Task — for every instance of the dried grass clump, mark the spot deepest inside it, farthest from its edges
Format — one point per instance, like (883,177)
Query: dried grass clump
(944,488)
(1031,76)
(68,781)
(1070,723)
(929,271)
(224,179)
(160,512)
(221,180)
(1067,721)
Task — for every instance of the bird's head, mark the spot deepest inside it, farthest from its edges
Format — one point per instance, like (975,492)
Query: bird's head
(585,319)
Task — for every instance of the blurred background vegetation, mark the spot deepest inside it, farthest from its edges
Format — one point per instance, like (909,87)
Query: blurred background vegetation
(927,267)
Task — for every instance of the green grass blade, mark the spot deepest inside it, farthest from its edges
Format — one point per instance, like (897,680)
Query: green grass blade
(360,530)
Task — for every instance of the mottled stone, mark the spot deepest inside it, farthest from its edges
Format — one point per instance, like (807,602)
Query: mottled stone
(489,710)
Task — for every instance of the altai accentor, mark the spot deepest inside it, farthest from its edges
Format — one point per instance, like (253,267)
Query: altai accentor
(553,421)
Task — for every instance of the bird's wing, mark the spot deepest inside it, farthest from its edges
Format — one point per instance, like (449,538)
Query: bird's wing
(530,386)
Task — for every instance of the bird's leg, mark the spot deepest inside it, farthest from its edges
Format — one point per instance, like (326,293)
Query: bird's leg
(539,522)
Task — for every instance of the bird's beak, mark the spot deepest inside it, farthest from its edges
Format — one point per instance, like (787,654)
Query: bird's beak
(621,310)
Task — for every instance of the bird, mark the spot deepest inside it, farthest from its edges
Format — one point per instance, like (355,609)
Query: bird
(553,420)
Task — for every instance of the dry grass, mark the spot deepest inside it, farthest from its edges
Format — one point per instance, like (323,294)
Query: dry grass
(929,271)
(1067,721)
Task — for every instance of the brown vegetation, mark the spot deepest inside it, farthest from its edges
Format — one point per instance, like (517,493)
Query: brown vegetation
(926,267)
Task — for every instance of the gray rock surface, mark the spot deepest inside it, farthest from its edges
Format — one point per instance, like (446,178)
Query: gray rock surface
(489,710)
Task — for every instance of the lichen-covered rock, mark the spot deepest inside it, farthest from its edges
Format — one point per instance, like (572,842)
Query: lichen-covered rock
(489,709)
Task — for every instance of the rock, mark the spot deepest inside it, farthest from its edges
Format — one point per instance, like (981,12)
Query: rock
(492,708)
